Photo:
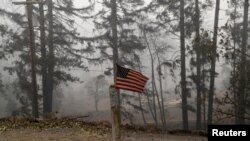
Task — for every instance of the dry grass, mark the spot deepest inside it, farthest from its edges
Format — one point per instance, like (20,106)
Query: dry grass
(67,129)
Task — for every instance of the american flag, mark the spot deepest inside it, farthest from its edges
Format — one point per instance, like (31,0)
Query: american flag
(128,79)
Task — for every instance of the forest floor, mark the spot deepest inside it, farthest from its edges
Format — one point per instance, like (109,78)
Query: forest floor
(75,134)
(65,129)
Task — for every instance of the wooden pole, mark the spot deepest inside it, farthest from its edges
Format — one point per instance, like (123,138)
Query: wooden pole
(115,114)
(29,3)
(43,56)
(24,2)
(115,47)
(33,65)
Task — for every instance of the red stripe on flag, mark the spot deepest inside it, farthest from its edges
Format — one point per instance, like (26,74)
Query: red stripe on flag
(129,84)
(137,76)
(130,81)
(129,76)
(136,79)
(138,73)
(128,88)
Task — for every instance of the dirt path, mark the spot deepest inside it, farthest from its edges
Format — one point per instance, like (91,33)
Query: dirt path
(76,134)
(50,135)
